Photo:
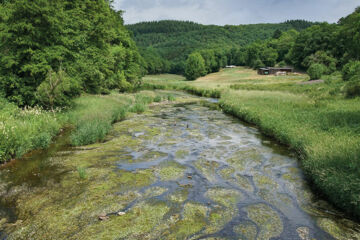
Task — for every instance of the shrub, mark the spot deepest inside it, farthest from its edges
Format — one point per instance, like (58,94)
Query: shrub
(316,71)
(351,71)
(138,108)
(170,98)
(352,89)
(157,99)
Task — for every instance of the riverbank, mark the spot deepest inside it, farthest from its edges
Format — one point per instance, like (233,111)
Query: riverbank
(90,119)
(316,121)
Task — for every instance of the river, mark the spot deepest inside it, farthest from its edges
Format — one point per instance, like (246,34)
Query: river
(180,171)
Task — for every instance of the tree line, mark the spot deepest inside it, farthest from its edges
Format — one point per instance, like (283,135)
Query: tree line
(165,45)
(51,51)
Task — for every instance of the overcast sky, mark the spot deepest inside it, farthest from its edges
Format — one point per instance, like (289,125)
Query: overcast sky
(234,12)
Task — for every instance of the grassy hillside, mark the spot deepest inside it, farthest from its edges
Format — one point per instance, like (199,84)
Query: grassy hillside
(313,119)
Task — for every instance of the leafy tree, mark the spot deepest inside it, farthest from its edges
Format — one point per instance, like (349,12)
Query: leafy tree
(322,58)
(277,34)
(321,37)
(316,71)
(87,38)
(350,35)
(195,66)
(351,71)
(57,89)
(269,56)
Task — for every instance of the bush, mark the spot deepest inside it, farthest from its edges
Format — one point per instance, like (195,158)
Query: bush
(352,89)
(316,71)
(157,99)
(195,67)
(351,71)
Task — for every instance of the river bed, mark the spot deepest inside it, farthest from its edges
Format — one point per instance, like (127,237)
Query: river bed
(179,171)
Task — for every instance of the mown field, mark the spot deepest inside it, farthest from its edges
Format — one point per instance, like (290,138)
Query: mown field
(315,120)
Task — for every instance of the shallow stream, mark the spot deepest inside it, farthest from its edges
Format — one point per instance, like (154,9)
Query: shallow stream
(177,172)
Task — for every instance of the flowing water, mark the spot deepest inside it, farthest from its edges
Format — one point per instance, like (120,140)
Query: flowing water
(177,172)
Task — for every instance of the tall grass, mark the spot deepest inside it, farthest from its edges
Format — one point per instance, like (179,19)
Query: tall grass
(93,116)
(23,130)
(325,134)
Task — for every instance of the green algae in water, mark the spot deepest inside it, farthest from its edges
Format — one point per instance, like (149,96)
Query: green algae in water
(181,154)
(69,207)
(138,223)
(246,230)
(193,221)
(171,171)
(208,169)
(179,196)
(218,218)
(225,197)
(267,220)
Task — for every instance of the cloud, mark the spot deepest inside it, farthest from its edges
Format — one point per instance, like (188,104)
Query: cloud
(235,12)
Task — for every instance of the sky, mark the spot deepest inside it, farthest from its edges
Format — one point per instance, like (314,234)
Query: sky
(235,12)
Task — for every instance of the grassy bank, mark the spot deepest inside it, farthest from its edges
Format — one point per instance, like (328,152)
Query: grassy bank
(91,118)
(315,120)
(325,135)
(24,130)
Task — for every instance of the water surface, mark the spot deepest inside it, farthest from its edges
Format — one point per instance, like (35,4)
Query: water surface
(178,172)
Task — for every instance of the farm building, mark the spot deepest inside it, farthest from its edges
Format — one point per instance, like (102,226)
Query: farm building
(273,70)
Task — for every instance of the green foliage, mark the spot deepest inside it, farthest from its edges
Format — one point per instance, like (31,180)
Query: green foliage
(57,89)
(321,37)
(82,172)
(350,36)
(195,67)
(352,89)
(351,74)
(87,38)
(325,134)
(170,98)
(351,71)
(23,130)
(323,58)
(174,41)
(157,99)
(316,71)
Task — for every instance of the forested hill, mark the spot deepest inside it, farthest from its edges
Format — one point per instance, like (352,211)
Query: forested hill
(175,40)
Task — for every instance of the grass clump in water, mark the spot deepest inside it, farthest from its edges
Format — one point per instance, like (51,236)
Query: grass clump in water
(93,116)
(82,172)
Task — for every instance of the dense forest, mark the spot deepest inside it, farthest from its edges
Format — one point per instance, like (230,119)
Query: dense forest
(51,51)
(165,45)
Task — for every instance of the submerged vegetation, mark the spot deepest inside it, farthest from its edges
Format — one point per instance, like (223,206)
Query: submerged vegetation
(315,120)
(181,169)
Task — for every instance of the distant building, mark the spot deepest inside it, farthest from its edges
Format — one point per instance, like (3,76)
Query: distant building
(230,66)
(274,70)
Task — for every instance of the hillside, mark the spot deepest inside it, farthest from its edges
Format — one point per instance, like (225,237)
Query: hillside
(175,40)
